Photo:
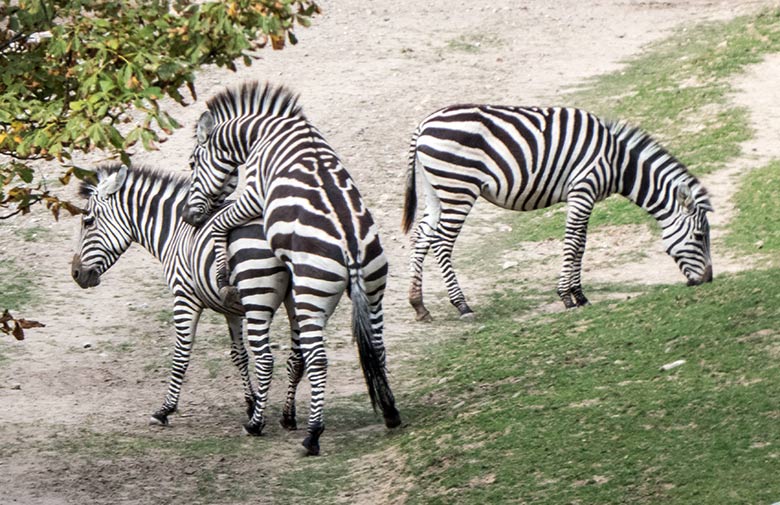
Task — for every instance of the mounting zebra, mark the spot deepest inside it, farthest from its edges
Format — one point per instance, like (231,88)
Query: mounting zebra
(525,158)
(145,206)
(315,221)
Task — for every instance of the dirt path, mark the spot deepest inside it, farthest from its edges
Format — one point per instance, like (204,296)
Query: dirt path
(367,73)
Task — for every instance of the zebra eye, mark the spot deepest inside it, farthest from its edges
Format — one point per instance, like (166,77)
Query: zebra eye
(698,236)
(88,221)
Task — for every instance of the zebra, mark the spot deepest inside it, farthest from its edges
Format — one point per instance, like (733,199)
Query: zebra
(145,206)
(315,220)
(525,158)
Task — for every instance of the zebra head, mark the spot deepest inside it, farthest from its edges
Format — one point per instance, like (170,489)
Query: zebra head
(686,234)
(105,229)
(214,173)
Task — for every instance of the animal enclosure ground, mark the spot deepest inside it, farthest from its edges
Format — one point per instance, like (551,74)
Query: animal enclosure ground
(75,396)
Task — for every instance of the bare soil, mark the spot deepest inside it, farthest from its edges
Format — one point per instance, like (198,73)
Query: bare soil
(367,72)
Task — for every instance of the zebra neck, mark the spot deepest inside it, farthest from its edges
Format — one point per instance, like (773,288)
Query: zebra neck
(157,222)
(649,178)
(242,135)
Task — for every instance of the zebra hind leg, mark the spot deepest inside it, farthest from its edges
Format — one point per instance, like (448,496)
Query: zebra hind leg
(257,335)
(294,375)
(421,242)
(240,359)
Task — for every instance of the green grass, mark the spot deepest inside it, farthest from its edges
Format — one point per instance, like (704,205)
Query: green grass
(16,286)
(33,233)
(756,226)
(473,42)
(575,409)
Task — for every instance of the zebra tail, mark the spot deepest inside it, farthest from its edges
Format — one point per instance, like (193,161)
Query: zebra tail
(373,368)
(410,200)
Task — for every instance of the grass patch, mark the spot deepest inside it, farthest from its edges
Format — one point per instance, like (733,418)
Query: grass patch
(575,408)
(756,226)
(473,42)
(678,90)
(33,234)
(15,286)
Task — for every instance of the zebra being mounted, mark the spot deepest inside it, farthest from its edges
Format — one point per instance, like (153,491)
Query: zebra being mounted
(145,206)
(525,158)
(315,220)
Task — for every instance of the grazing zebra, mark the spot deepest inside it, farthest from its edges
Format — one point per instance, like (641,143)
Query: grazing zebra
(145,206)
(315,221)
(525,158)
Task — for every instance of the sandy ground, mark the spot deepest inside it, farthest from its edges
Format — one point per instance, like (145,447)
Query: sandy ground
(367,72)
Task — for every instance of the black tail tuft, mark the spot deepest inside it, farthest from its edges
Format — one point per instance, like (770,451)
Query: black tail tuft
(410,199)
(370,360)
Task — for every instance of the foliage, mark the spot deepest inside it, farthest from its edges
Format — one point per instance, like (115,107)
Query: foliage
(77,76)
(756,226)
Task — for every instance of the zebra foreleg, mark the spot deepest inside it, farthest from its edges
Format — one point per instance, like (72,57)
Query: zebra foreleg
(240,358)
(570,283)
(186,321)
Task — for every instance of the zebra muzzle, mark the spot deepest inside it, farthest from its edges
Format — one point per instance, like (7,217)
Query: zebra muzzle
(85,276)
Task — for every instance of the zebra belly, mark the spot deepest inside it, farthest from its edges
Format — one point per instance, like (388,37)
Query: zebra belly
(528,196)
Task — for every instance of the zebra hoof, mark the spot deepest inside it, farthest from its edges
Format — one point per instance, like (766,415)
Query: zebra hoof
(289,423)
(424,316)
(159,419)
(312,446)
(250,408)
(580,300)
(254,429)
(468,316)
(312,441)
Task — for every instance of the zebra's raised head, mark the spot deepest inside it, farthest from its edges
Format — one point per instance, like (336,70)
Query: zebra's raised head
(240,112)
(686,233)
(105,227)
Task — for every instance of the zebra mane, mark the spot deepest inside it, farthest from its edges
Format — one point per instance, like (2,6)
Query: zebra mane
(636,139)
(254,99)
(135,173)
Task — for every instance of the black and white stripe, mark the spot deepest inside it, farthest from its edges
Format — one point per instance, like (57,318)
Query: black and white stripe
(315,220)
(525,158)
(145,206)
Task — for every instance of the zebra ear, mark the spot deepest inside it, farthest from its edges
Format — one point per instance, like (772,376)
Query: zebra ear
(112,183)
(205,126)
(685,197)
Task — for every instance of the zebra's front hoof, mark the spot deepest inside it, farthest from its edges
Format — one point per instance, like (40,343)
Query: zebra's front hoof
(580,300)
(468,316)
(289,423)
(159,418)
(254,429)
(424,317)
